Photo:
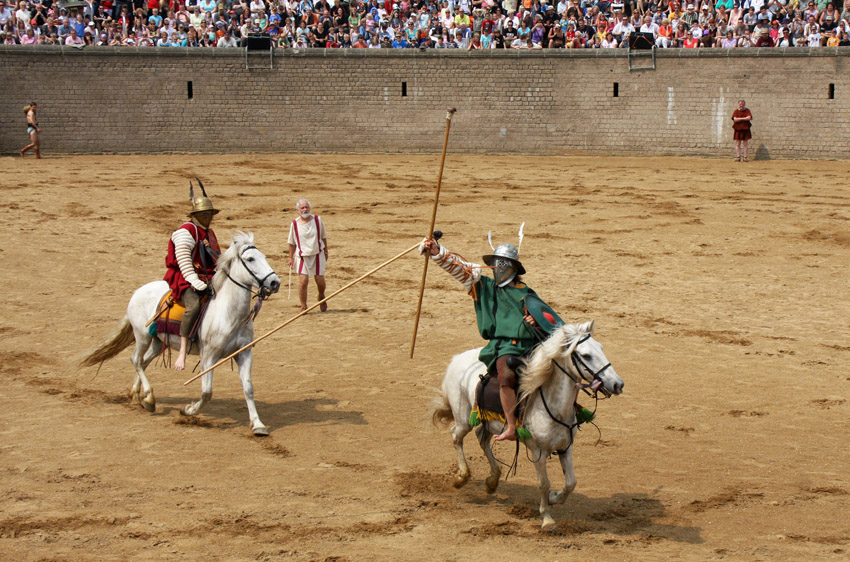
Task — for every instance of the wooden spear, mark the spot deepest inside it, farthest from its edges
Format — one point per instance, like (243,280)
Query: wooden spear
(451,111)
(297,316)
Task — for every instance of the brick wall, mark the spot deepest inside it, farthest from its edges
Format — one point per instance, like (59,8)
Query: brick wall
(136,100)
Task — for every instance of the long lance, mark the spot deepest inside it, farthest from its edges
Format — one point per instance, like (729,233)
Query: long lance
(451,111)
(297,316)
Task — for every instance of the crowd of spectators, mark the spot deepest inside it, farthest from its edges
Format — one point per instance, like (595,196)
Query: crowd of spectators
(441,24)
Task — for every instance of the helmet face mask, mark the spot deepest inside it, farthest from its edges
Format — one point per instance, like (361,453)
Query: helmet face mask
(504,271)
(505,264)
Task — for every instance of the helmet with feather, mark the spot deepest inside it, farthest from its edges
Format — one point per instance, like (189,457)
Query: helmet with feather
(202,203)
(505,260)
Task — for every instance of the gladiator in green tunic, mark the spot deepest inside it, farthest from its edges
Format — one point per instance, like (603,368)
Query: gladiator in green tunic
(500,313)
(502,319)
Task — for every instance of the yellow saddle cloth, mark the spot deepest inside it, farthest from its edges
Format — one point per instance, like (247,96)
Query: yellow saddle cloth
(168,316)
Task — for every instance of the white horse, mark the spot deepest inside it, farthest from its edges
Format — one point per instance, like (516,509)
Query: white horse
(549,385)
(227,326)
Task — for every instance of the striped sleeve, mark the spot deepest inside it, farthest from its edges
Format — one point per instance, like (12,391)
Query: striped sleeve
(183,246)
(467,273)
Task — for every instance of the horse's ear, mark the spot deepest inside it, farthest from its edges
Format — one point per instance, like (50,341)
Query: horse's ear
(587,327)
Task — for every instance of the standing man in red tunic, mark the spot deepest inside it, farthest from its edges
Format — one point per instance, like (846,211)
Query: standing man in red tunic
(741,123)
(192,254)
(308,251)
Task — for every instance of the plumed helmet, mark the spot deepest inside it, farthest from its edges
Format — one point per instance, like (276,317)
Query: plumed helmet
(203,203)
(505,260)
(508,252)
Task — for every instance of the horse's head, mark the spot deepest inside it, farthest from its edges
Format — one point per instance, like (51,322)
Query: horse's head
(247,266)
(584,358)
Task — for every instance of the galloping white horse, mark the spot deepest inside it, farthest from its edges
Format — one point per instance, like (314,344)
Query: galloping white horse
(227,326)
(549,385)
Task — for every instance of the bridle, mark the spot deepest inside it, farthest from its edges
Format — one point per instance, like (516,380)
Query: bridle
(592,385)
(262,293)
(586,379)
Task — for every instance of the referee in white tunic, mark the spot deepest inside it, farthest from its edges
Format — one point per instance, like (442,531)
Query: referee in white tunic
(308,251)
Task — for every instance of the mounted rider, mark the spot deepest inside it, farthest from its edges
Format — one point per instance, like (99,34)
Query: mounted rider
(499,309)
(193,251)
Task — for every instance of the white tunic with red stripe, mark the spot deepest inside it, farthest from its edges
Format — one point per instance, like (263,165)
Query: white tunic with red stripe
(309,240)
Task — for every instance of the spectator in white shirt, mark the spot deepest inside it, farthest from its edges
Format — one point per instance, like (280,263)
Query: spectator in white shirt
(227,40)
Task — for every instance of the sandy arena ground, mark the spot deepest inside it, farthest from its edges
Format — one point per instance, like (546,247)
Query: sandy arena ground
(718,290)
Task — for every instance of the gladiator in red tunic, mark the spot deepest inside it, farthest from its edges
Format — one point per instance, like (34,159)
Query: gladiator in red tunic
(203,259)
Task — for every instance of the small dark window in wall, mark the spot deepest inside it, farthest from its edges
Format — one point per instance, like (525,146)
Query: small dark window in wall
(404,89)
(616,89)
(832,91)
(189,93)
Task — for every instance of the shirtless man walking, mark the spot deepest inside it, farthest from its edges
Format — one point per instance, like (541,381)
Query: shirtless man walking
(32,130)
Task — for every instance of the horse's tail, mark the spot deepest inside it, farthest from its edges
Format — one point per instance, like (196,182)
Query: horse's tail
(441,411)
(121,339)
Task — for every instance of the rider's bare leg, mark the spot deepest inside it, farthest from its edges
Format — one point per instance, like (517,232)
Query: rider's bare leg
(180,363)
(507,395)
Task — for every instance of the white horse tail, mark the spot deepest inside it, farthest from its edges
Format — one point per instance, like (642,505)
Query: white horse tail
(121,339)
(441,411)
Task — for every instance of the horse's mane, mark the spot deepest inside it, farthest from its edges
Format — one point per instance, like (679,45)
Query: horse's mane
(239,241)
(555,348)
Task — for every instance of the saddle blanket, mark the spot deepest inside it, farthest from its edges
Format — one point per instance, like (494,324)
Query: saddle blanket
(168,317)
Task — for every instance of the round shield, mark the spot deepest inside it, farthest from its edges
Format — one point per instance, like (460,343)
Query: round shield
(546,318)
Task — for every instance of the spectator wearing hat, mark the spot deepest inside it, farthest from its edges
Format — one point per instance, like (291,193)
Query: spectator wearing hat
(828,18)
(811,26)
(813,35)
(690,17)
(762,35)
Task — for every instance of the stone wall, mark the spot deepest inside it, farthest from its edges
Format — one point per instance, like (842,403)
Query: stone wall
(357,100)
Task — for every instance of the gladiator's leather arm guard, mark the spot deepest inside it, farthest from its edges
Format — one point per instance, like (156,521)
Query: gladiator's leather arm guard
(467,273)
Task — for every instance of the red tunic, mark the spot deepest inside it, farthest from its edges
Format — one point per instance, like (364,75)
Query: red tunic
(204,264)
(741,129)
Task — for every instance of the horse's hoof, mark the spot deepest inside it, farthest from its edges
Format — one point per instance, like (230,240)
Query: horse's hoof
(149,402)
(492,483)
(261,431)
(548,522)
(460,480)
